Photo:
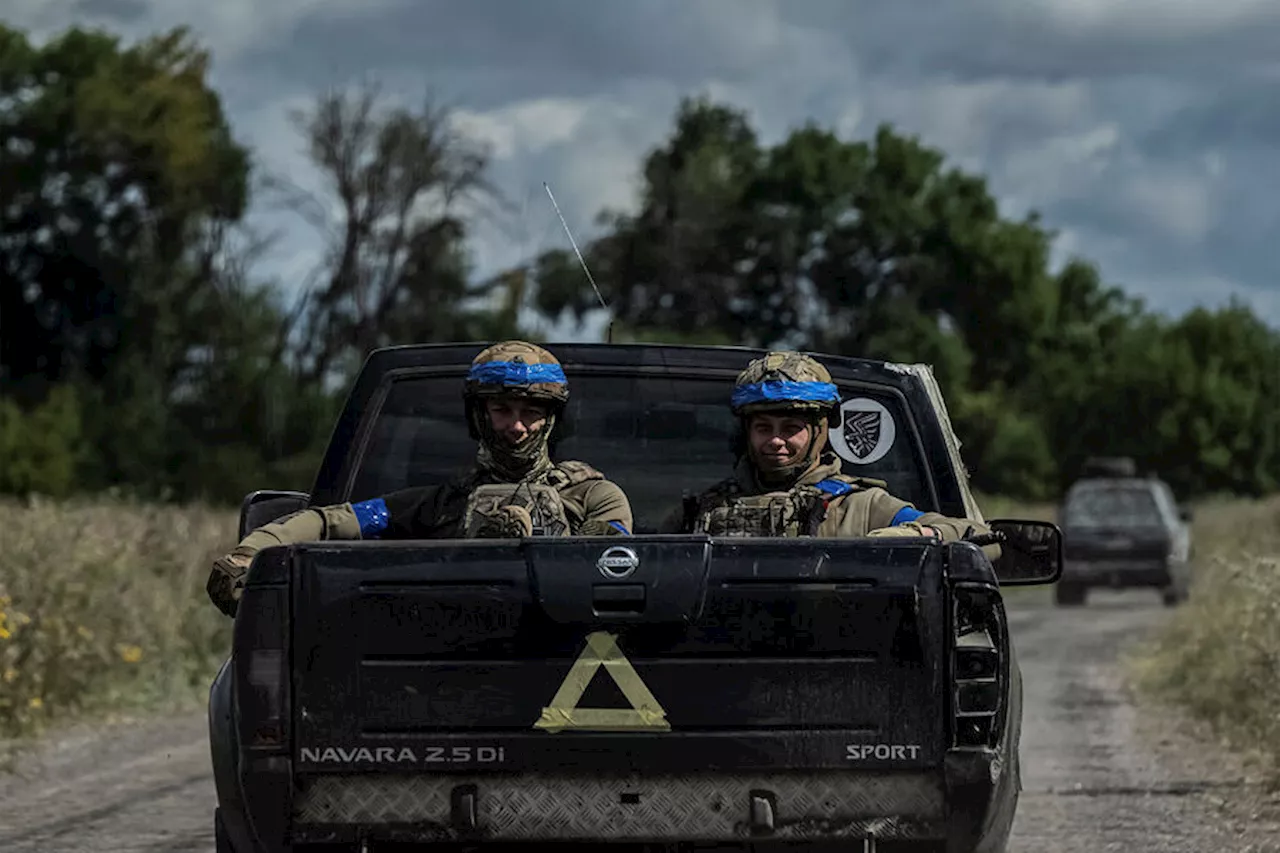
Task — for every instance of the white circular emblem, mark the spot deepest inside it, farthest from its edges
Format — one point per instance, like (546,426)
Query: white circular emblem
(618,562)
(865,433)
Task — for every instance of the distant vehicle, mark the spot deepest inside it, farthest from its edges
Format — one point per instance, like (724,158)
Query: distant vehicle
(1123,531)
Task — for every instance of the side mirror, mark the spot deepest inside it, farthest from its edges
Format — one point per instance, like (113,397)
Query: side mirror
(266,505)
(1030,553)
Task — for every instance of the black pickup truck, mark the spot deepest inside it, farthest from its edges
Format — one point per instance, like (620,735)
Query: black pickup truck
(436,694)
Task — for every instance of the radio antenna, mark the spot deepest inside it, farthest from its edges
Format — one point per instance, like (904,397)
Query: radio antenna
(608,332)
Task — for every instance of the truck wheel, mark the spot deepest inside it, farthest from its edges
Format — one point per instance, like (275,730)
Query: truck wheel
(1171,596)
(222,843)
(1068,595)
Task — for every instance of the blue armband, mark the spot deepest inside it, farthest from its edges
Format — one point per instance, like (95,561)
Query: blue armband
(904,515)
(374,517)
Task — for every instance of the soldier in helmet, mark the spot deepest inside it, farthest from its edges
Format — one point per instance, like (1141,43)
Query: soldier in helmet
(787,482)
(513,394)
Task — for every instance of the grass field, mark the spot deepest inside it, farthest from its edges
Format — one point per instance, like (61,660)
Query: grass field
(102,607)
(1219,655)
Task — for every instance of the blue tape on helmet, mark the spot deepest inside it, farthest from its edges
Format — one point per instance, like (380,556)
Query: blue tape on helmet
(373,515)
(781,391)
(515,373)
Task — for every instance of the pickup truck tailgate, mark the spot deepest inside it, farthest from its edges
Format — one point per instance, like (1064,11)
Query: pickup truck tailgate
(732,656)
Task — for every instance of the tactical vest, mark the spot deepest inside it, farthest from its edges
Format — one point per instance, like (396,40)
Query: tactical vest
(541,501)
(796,512)
(541,496)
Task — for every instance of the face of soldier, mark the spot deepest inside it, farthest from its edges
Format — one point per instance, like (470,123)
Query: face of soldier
(778,440)
(514,419)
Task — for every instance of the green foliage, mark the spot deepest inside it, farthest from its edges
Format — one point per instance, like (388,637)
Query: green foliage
(40,450)
(1006,449)
(117,169)
(137,352)
(127,180)
(1206,389)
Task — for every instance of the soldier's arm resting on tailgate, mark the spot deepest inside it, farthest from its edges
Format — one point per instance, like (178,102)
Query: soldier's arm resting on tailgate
(606,510)
(394,516)
(890,516)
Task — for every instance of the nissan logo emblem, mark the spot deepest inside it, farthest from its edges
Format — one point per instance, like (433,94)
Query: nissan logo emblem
(618,562)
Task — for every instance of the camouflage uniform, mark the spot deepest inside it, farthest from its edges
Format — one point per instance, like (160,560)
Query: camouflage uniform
(811,497)
(509,492)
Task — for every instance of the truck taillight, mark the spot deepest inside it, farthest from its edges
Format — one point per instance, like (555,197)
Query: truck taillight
(262,668)
(978,669)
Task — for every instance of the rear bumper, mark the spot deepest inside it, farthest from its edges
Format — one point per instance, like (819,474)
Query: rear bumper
(1117,574)
(693,807)
(710,807)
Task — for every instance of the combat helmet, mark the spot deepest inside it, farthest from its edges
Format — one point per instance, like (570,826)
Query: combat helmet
(516,369)
(792,383)
(520,369)
(785,382)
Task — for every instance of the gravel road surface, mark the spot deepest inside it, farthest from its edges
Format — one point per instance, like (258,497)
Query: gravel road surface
(1098,774)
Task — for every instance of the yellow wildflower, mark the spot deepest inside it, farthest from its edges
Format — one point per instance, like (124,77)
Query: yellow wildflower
(10,674)
(36,702)
(130,654)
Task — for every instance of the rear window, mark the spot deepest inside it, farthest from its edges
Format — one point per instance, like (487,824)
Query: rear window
(656,437)
(1111,505)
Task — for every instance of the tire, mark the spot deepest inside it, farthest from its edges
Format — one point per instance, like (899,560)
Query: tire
(1171,597)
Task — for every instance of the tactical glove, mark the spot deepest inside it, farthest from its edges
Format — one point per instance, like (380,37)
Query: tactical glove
(226,581)
(907,528)
(506,522)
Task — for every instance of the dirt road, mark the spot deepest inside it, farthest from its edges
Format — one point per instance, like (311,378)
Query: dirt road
(1098,775)
(1101,775)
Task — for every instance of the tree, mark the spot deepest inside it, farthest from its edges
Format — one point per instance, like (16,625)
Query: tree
(671,267)
(1196,399)
(868,248)
(118,175)
(395,268)
(121,180)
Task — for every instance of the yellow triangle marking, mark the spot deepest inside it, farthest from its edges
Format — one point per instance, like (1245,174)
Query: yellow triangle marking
(564,713)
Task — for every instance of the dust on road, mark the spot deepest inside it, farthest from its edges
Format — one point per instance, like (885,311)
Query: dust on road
(1098,774)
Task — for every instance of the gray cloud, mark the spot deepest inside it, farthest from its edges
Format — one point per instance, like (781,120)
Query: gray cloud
(1145,132)
(124,11)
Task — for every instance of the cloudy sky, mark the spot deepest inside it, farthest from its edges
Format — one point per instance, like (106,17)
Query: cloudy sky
(1145,131)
